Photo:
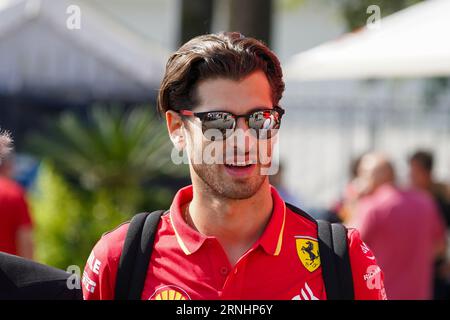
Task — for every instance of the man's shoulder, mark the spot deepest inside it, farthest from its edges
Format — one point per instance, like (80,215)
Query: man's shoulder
(421,199)
(298,217)
(111,242)
(11,188)
(353,236)
(359,251)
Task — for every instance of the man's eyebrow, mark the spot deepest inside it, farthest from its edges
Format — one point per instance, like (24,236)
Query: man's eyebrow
(250,111)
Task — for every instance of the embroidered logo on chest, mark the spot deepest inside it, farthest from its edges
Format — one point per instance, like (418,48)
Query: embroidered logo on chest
(308,252)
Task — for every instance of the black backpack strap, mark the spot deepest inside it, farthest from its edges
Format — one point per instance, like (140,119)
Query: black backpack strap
(136,254)
(335,260)
(334,257)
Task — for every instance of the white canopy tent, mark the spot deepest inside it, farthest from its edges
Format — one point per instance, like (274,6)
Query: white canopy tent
(103,59)
(414,42)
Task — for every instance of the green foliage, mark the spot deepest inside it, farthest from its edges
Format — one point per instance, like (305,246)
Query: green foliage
(59,213)
(289,5)
(98,172)
(110,148)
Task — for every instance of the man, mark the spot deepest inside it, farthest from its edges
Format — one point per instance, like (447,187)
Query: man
(229,235)
(403,228)
(421,176)
(343,209)
(15,219)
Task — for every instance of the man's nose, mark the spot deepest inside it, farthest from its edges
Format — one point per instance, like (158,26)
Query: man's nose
(241,124)
(243,141)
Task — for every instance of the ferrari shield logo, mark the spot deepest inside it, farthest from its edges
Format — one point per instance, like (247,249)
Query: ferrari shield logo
(308,252)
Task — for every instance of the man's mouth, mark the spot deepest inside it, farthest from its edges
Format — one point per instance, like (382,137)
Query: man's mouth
(238,165)
(240,170)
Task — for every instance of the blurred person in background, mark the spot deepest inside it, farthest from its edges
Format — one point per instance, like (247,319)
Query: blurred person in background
(344,208)
(403,228)
(421,176)
(15,219)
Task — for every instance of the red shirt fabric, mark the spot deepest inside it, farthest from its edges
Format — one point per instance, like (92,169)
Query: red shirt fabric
(403,228)
(14,214)
(282,265)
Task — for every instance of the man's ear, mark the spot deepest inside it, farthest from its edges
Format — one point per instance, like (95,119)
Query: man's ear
(175,128)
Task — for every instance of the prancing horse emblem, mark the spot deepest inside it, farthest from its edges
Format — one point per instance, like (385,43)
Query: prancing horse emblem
(308,252)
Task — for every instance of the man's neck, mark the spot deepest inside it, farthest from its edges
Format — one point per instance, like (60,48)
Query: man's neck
(237,224)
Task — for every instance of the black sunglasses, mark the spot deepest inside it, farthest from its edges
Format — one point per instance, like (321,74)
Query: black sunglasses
(264,122)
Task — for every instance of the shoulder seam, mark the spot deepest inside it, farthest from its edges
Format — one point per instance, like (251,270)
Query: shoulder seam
(120,225)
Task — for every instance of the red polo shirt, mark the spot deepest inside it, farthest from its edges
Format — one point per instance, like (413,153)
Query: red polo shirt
(283,264)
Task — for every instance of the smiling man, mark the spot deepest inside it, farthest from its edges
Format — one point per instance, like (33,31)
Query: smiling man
(229,235)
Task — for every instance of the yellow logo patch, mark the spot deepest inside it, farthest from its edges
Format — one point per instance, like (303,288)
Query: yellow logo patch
(308,252)
(170,293)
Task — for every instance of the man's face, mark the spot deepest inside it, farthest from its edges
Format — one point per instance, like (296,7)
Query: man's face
(230,178)
(419,176)
(366,179)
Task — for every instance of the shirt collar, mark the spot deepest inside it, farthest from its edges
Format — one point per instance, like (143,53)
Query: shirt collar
(191,240)
(272,238)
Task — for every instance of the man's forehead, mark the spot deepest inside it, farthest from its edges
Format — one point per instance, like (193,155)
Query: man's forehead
(231,95)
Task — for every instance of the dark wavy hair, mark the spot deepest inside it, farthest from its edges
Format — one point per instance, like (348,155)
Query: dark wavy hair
(225,55)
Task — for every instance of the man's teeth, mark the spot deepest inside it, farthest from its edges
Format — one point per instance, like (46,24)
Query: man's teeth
(239,164)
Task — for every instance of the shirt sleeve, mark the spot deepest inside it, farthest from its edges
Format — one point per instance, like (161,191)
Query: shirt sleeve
(364,220)
(99,275)
(368,278)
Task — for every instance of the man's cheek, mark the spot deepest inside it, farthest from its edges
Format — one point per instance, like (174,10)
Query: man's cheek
(268,156)
(213,153)
(194,147)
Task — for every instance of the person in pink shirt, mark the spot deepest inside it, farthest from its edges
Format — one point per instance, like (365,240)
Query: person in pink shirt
(402,227)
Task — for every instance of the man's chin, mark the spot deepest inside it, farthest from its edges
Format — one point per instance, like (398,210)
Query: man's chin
(240,187)
(231,183)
